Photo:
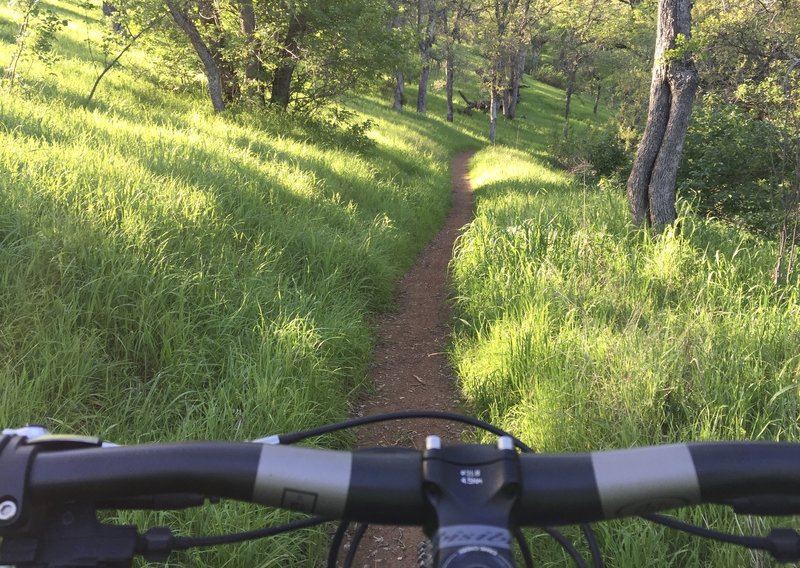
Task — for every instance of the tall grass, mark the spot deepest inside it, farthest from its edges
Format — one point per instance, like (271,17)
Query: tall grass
(170,275)
(580,333)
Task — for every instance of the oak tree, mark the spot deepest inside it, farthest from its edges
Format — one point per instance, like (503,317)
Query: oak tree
(651,185)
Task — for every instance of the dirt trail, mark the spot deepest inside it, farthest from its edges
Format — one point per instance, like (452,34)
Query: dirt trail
(410,369)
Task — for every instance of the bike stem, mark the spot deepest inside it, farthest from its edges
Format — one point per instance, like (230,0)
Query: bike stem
(472,489)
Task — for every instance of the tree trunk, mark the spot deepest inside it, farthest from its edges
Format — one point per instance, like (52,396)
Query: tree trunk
(449,72)
(398,20)
(510,110)
(571,78)
(508,94)
(425,8)
(186,24)
(399,91)
(494,102)
(282,77)
(422,91)
(570,89)
(209,16)
(253,69)
(787,252)
(651,185)
(597,93)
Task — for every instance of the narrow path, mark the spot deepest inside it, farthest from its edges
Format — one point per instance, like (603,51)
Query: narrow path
(410,369)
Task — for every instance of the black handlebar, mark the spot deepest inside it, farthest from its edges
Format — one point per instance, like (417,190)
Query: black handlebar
(386,486)
(467,497)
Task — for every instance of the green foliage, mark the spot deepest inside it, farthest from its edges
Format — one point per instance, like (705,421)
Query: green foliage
(744,43)
(549,75)
(601,150)
(333,46)
(730,164)
(351,46)
(43,46)
(36,35)
(683,49)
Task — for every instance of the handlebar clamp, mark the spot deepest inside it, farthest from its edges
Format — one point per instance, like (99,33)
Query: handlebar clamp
(16,458)
(472,489)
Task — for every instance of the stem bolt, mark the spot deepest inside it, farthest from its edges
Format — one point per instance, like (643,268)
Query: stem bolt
(505,443)
(8,510)
(433,443)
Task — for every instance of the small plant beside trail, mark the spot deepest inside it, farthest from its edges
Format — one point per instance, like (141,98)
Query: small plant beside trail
(36,36)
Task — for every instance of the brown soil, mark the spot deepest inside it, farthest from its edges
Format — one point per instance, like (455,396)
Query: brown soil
(410,369)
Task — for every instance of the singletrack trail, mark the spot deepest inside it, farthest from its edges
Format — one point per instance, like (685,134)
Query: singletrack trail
(410,370)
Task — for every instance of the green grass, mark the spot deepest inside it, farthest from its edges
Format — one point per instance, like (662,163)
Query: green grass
(169,274)
(580,333)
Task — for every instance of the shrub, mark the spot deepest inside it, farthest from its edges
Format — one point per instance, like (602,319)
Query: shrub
(729,166)
(549,75)
(602,150)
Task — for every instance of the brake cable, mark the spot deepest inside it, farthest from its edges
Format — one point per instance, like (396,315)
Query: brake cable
(782,544)
(568,546)
(523,547)
(186,542)
(357,536)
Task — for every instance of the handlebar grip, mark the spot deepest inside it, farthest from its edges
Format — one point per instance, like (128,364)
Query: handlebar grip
(366,485)
(576,488)
(728,470)
(104,474)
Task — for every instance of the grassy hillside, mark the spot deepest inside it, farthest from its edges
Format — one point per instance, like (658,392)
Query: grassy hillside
(580,333)
(169,274)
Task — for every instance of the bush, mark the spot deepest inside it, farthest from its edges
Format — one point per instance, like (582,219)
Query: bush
(602,151)
(729,166)
(549,75)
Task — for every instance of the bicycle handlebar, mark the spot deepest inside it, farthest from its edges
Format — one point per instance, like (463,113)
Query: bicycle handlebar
(386,486)
(467,497)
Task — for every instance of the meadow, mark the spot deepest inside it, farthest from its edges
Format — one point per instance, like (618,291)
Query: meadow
(171,274)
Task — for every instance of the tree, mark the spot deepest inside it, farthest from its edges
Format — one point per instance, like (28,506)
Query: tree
(455,15)
(288,56)
(578,46)
(504,34)
(347,43)
(254,74)
(743,42)
(36,33)
(299,54)
(118,29)
(519,48)
(651,185)
(738,158)
(184,21)
(398,24)
(427,15)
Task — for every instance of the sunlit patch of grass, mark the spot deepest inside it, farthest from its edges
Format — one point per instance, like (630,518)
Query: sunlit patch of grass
(580,333)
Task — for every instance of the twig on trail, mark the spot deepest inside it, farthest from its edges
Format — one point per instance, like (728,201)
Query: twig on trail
(437,353)
(420,380)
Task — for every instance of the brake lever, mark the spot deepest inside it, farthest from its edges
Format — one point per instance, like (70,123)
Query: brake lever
(765,505)
(72,536)
(75,537)
(165,502)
